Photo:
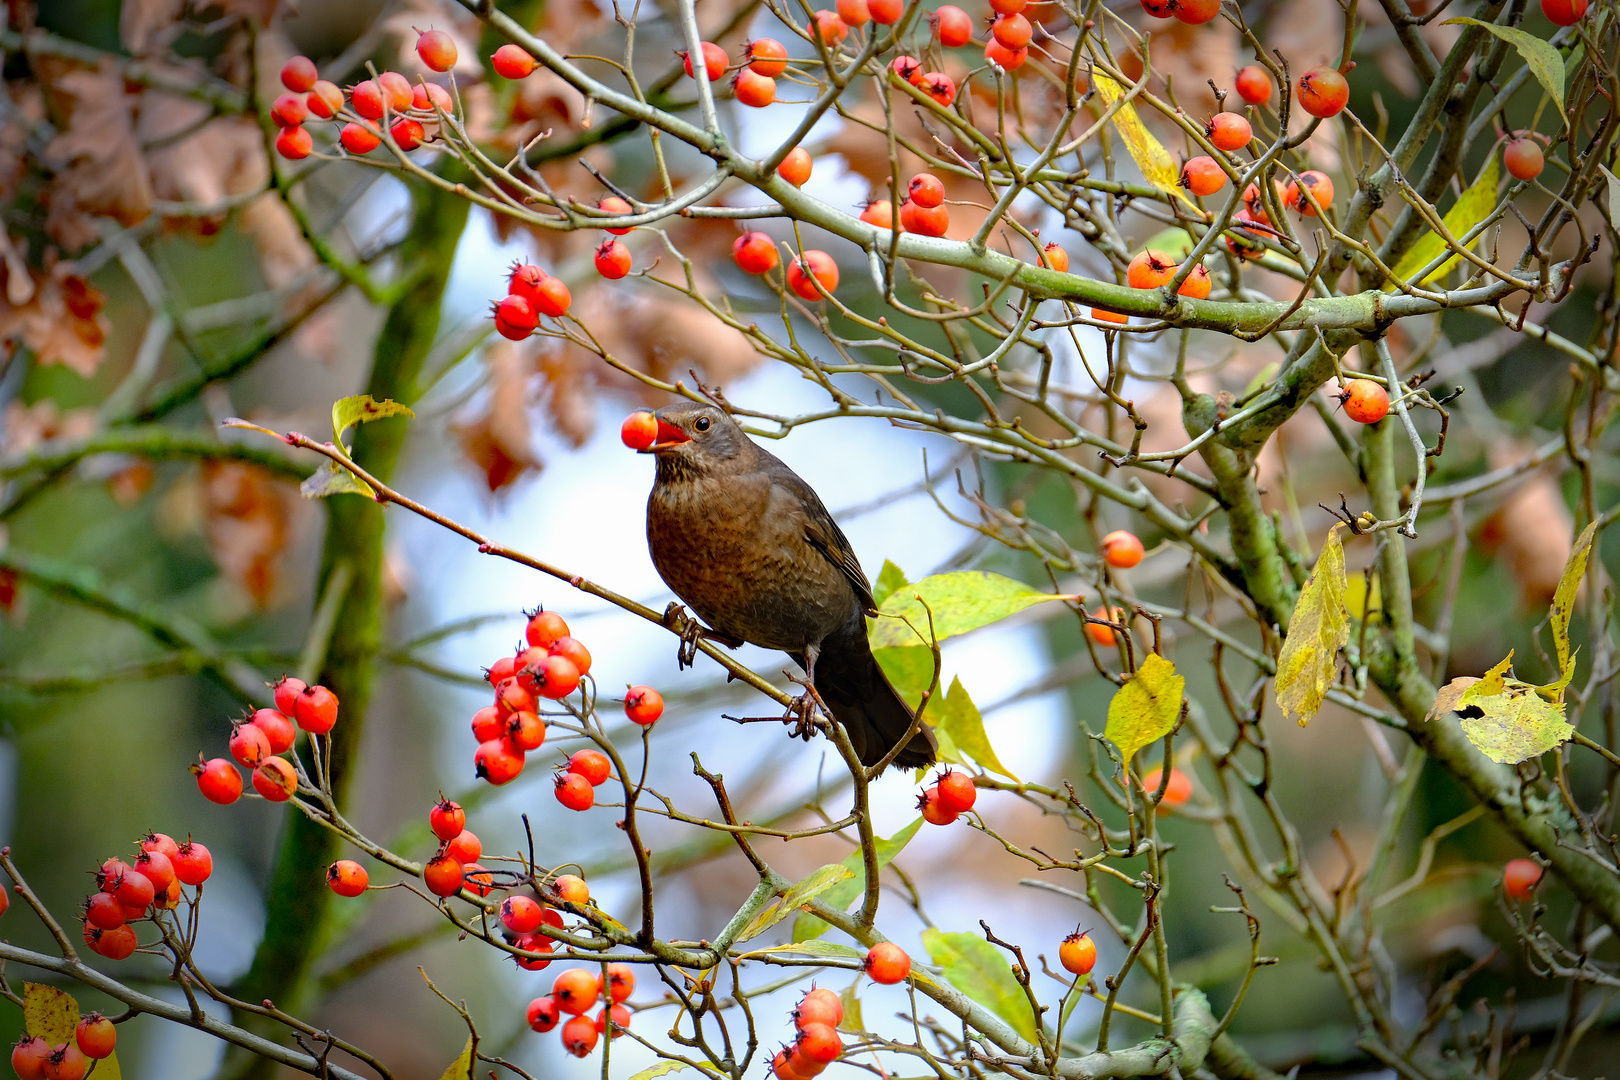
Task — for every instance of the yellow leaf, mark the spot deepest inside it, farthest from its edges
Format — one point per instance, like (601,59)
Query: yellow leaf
(1360,600)
(962,724)
(362,409)
(1317,631)
(1493,681)
(1514,726)
(799,894)
(1450,696)
(1472,207)
(49,1013)
(1146,707)
(462,1067)
(1158,168)
(1569,583)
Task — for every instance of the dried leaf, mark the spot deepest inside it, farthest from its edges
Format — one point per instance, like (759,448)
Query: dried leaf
(97,160)
(62,323)
(1146,708)
(499,442)
(1317,631)
(247,515)
(1449,698)
(141,22)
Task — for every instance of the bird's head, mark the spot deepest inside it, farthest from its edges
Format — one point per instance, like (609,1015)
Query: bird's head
(695,436)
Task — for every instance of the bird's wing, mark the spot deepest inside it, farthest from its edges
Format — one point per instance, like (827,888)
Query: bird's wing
(824,535)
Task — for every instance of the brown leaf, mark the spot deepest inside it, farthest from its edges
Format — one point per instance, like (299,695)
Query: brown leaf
(62,322)
(282,251)
(146,26)
(246,516)
(500,441)
(97,159)
(29,426)
(223,157)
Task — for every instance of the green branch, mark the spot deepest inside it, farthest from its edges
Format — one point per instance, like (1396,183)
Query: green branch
(155,444)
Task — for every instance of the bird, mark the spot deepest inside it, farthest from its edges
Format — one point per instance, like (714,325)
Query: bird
(747,545)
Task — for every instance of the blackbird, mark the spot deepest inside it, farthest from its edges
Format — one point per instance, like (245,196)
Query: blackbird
(748,546)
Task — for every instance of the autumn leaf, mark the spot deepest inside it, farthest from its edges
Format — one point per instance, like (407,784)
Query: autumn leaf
(362,409)
(462,1067)
(1319,628)
(1158,168)
(962,725)
(1146,707)
(1514,726)
(1569,584)
(1472,207)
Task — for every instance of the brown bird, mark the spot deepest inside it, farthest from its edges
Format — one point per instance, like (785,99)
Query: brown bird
(748,546)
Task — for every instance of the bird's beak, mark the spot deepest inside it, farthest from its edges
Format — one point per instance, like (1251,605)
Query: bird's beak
(669,437)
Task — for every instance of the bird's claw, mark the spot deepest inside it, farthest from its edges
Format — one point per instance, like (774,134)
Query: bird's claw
(691,632)
(801,711)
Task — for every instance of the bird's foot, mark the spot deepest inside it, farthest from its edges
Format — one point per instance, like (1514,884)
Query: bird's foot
(691,632)
(801,712)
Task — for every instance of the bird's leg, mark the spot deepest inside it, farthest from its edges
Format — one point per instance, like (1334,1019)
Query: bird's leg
(805,705)
(691,632)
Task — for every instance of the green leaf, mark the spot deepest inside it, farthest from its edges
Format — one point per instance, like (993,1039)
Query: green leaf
(1146,707)
(1317,631)
(1516,725)
(1158,168)
(959,602)
(1569,584)
(845,892)
(964,727)
(852,1020)
(1174,242)
(1543,60)
(813,948)
(802,892)
(332,479)
(979,970)
(1472,207)
(361,409)
(462,1067)
(889,580)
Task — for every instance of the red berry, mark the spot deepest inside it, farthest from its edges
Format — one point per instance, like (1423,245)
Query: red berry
(1523,159)
(879,214)
(1564,12)
(593,765)
(294,143)
(830,28)
(396,90)
(103,911)
(639,430)
(1159,9)
(515,695)
(118,943)
(1364,401)
(501,670)
(1078,954)
(1323,91)
(1150,269)
(299,74)
(347,878)
(1056,258)
(818,1006)
(512,62)
(621,983)
(821,266)
(1012,31)
(574,791)
(157,868)
(287,691)
(618,208)
(926,190)
(408,134)
(854,12)
(278,730)
(886,12)
(1202,176)
(289,110)
(1254,84)
(754,253)
(1104,315)
(525,731)
(437,50)
(66,1062)
(643,705)
(366,98)
(488,723)
(1006,59)
(465,848)
(574,651)
(715,61)
(317,710)
(28,1057)
(887,963)
(249,745)
(556,677)
(1177,790)
(1228,131)
(535,943)
(618,1014)
(447,819)
(543,1014)
(576,990)
(942,88)
(96,1036)
(934,810)
(1317,183)
(359,138)
(156,841)
(579,1036)
(908,68)
(956,791)
(1196,12)
(521,914)
(795,169)
(1121,549)
(782,1066)
(324,100)
(193,864)
(612,259)
(218,781)
(820,1043)
(515,318)
(1519,878)
(478,879)
(953,26)
(275,779)
(551,297)
(767,57)
(432,98)
(498,761)
(442,875)
(754,91)
(544,628)
(924,220)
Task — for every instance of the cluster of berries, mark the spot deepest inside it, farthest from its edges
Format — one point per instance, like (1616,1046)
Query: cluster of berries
(94,1038)
(257,742)
(530,293)
(549,664)
(951,795)
(388,97)
(126,893)
(573,992)
(816,1019)
(577,781)
(456,862)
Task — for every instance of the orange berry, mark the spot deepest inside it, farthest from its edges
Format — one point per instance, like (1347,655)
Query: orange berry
(1254,84)
(1150,269)
(1202,176)
(1056,258)
(1104,635)
(767,57)
(887,963)
(1177,790)
(1523,159)
(1078,954)
(1318,184)
(1364,401)
(1323,91)
(1519,878)
(1121,549)
(795,168)
(822,267)
(1228,131)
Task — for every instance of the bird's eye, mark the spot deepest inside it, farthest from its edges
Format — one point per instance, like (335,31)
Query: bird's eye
(702,423)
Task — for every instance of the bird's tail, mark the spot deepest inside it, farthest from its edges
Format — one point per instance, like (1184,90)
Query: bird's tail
(849,680)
